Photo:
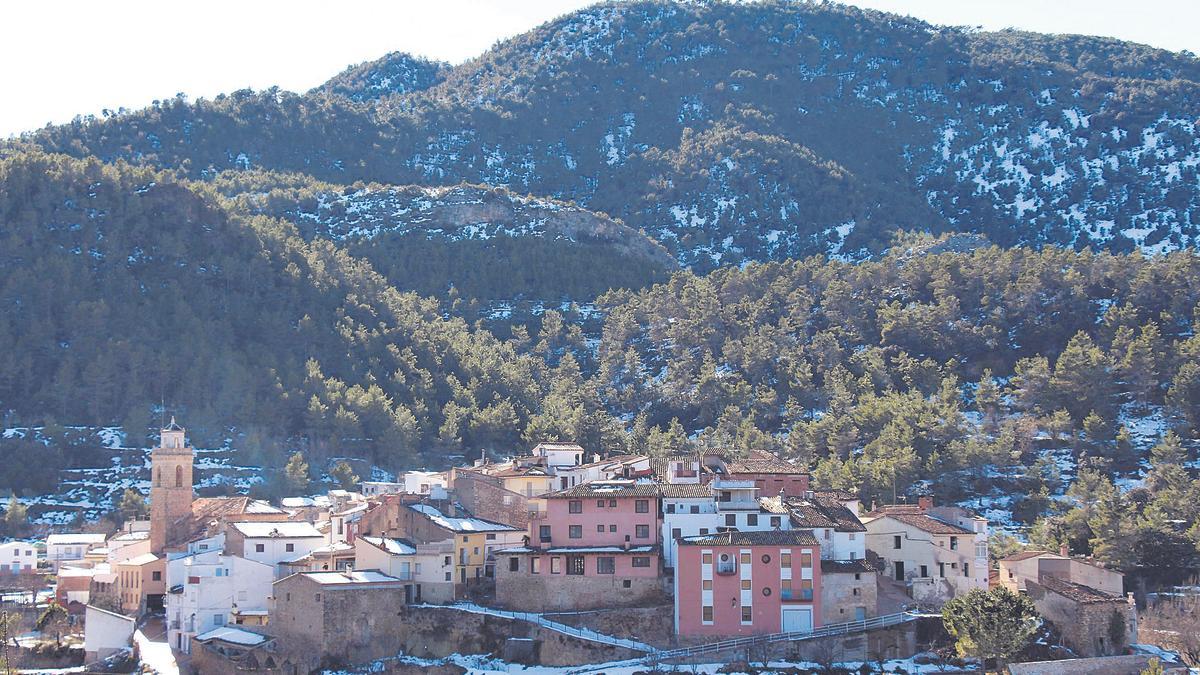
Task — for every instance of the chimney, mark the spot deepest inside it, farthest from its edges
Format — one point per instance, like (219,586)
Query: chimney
(1064,551)
(925,502)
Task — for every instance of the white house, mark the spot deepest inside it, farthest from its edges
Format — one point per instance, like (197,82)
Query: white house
(374,488)
(423,482)
(427,566)
(18,557)
(206,589)
(273,543)
(690,509)
(559,454)
(105,633)
(71,547)
(938,552)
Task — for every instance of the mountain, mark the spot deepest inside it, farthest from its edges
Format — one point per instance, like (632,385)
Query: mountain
(395,73)
(741,131)
(123,288)
(487,243)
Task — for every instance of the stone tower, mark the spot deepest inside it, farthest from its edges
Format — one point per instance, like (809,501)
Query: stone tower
(170,484)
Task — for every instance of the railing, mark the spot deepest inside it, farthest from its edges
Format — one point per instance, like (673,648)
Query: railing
(794,594)
(565,629)
(830,630)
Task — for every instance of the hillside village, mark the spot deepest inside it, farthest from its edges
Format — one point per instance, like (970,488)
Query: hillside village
(557,557)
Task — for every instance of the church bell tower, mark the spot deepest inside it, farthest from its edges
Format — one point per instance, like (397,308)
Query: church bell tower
(170,484)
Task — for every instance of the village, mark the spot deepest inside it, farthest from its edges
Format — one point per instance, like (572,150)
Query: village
(557,557)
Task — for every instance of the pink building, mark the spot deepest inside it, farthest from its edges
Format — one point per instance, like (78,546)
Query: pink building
(594,545)
(748,583)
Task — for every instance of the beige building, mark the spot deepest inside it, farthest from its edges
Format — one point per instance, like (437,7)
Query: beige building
(426,569)
(848,591)
(1091,622)
(1017,569)
(336,617)
(936,552)
(141,583)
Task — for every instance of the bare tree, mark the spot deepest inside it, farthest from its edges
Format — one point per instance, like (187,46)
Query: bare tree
(1174,623)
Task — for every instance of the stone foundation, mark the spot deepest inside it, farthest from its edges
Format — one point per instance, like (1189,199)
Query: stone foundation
(563,592)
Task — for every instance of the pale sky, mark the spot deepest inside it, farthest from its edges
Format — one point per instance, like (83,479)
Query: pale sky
(59,58)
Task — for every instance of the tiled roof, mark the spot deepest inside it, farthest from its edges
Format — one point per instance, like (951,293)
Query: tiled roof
(685,491)
(289,530)
(832,510)
(606,488)
(772,504)
(839,495)
(567,550)
(351,578)
(1076,592)
(762,462)
(758,538)
(1026,555)
(661,466)
(460,524)
(806,514)
(391,545)
(860,566)
(915,517)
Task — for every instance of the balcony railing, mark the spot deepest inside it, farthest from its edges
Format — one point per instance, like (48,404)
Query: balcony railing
(726,568)
(804,594)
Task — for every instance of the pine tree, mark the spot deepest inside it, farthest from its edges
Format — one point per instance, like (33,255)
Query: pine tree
(987,400)
(1082,382)
(995,624)
(296,473)
(344,475)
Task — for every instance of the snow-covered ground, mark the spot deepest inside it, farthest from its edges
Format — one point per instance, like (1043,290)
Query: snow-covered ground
(156,656)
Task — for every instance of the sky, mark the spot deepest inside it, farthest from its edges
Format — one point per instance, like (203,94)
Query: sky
(60,58)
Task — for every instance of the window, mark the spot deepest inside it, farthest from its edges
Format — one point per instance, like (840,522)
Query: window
(642,531)
(856,591)
(670,508)
(544,533)
(828,534)
(514,564)
(575,531)
(317,597)
(695,508)
(726,496)
(490,537)
(752,519)
(708,615)
(896,541)
(600,503)
(966,569)
(179,481)
(599,528)
(446,561)
(746,584)
(219,619)
(853,536)
(641,506)
(745,558)
(535,565)
(259,548)
(704,530)
(612,528)
(707,584)
(612,503)
(776,522)
(556,565)
(475,551)
(805,560)
(707,558)
(575,565)
(731,520)
(785,560)
(924,571)
(941,569)
(953,543)
(575,506)
(448,576)
(156,576)
(766,559)
(747,614)
(606,565)
(676,533)
(806,589)
(785,589)
(641,561)
(290,548)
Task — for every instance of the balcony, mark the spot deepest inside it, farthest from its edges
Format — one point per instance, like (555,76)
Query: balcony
(799,595)
(726,565)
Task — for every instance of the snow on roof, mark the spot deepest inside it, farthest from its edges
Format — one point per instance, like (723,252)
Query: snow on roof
(350,577)
(131,536)
(392,546)
(144,559)
(459,524)
(235,635)
(290,530)
(94,608)
(260,507)
(76,572)
(68,539)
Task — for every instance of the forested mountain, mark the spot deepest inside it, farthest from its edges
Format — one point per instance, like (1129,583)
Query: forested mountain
(487,244)
(747,131)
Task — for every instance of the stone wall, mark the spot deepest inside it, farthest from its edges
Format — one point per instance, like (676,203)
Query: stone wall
(841,593)
(562,592)
(485,497)
(1087,628)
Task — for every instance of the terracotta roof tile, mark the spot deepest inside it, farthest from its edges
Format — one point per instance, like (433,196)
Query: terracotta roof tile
(847,566)
(1076,592)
